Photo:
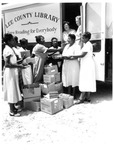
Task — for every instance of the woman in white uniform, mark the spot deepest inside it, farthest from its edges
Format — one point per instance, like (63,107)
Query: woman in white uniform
(11,85)
(79,31)
(70,68)
(66,32)
(87,79)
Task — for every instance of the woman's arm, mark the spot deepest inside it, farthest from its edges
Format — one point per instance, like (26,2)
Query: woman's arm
(19,61)
(10,65)
(54,50)
(66,57)
(60,57)
(78,56)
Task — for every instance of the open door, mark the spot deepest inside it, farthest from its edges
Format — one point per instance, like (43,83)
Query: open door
(95,23)
(69,12)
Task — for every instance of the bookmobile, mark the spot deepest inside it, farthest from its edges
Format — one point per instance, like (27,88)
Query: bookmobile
(29,20)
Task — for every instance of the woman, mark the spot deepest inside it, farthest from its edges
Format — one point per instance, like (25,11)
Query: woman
(23,45)
(40,58)
(70,69)
(54,45)
(79,30)
(52,55)
(16,42)
(87,79)
(66,32)
(40,54)
(26,74)
(11,85)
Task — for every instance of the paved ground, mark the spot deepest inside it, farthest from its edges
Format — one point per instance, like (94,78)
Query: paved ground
(83,126)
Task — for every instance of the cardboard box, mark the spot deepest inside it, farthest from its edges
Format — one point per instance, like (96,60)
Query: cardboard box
(52,94)
(63,95)
(33,85)
(32,99)
(31,92)
(57,77)
(33,105)
(68,100)
(46,88)
(48,78)
(51,106)
(25,54)
(59,87)
(51,69)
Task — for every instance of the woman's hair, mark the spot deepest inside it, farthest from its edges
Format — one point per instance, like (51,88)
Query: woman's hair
(66,22)
(87,35)
(16,39)
(7,37)
(38,38)
(53,39)
(78,17)
(72,36)
(23,41)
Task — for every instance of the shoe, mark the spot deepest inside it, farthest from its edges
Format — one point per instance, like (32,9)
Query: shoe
(14,114)
(79,101)
(19,110)
(87,100)
(17,115)
(17,106)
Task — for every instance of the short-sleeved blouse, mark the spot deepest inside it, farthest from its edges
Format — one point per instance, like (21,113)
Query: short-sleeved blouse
(71,50)
(38,48)
(65,35)
(7,52)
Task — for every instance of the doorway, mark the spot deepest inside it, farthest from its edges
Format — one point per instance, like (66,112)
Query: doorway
(108,58)
(69,12)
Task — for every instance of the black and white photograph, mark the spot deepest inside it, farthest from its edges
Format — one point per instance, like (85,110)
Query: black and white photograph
(57,75)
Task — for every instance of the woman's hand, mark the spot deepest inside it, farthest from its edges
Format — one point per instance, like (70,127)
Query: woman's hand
(22,66)
(58,56)
(20,61)
(24,63)
(73,57)
(66,57)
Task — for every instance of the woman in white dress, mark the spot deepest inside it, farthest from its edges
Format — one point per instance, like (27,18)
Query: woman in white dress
(87,79)
(70,68)
(11,85)
(79,31)
(66,32)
